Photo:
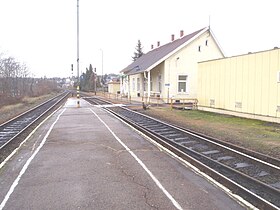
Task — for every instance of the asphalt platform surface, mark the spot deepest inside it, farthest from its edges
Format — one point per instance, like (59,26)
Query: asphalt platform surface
(84,158)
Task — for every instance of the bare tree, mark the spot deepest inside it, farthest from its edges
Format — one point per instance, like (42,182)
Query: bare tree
(16,82)
(13,79)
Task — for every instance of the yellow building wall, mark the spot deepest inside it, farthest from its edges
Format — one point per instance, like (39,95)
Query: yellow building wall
(134,92)
(185,62)
(114,87)
(244,84)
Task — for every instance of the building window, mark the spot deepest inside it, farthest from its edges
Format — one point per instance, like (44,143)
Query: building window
(199,48)
(138,84)
(278,76)
(182,83)
(133,84)
(206,42)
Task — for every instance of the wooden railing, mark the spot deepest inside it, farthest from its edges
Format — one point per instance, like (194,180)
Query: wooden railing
(183,103)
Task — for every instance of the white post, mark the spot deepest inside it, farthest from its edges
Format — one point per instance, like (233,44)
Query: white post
(121,85)
(128,86)
(149,85)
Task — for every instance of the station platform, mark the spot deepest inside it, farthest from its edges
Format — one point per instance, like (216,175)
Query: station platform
(85,158)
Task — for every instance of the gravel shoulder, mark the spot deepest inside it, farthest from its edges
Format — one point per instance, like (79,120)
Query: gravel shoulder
(255,135)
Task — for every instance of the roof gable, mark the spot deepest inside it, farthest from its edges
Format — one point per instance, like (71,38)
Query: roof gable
(154,57)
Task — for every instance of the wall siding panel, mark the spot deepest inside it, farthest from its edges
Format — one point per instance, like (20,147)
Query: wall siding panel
(243,84)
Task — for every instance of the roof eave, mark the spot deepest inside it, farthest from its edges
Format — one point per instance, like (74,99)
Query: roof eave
(216,41)
(177,49)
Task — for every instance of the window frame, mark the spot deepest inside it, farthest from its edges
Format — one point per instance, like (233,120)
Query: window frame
(182,81)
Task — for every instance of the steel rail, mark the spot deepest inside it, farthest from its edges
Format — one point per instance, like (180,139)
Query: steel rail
(261,194)
(20,123)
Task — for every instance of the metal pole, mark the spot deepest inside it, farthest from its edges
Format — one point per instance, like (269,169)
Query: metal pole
(102,66)
(102,70)
(78,72)
(95,80)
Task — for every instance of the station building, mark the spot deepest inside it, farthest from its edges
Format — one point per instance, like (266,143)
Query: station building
(170,70)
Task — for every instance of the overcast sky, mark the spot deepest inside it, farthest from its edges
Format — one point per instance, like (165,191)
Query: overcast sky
(42,33)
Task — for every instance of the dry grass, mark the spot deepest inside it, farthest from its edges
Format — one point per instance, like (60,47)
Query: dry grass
(11,111)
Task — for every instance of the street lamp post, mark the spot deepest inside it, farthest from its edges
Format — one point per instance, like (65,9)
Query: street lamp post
(95,80)
(102,68)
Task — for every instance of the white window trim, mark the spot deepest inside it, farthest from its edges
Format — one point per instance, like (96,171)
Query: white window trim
(278,76)
(187,89)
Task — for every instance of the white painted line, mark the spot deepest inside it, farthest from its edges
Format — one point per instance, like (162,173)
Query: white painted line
(15,151)
(24,168)
(174,202)
(192,167)
(109,105)
(213,142)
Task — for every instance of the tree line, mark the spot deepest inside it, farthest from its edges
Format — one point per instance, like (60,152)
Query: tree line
(90,81)
(16,82)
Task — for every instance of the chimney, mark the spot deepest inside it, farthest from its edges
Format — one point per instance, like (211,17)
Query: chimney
(172,37)
(181,33)
(158,43)
(152,46)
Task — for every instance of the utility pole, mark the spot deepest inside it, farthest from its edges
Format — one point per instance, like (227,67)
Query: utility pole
(101,67)
(78,73)
(95,80)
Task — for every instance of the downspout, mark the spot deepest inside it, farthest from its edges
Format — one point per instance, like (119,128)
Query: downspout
(145,75)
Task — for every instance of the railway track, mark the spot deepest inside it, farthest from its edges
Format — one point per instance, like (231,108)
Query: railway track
(16,126)
(253,176)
